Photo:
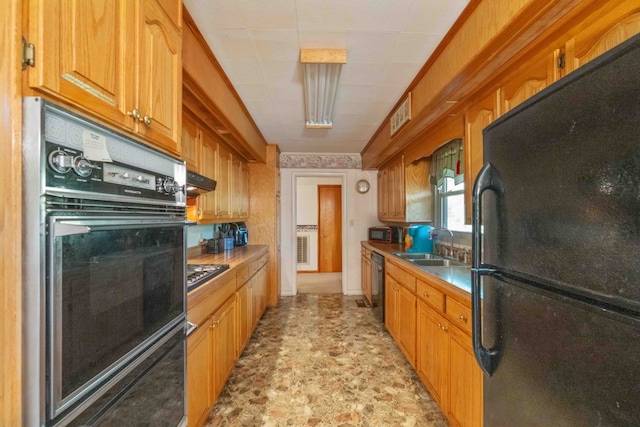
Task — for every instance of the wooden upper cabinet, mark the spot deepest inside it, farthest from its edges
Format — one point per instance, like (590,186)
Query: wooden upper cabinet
(477,117)
(160,79)
(404,192)
(537,75)
(224,178)
(190,142)
(116,59)
(608,30)
(207,165)
(85,61)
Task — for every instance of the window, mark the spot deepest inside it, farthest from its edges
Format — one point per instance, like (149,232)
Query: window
(451,206)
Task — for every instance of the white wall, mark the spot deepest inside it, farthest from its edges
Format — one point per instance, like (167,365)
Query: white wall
(307,213)
(359,213)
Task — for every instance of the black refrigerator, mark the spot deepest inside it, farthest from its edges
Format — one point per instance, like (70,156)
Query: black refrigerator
(556,244)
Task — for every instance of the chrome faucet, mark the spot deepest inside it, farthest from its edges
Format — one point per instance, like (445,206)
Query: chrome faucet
(433,233)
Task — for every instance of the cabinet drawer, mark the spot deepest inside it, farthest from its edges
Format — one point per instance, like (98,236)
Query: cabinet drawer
(200,308)
(242,275)
(430,295)
(406,279)
(459,315)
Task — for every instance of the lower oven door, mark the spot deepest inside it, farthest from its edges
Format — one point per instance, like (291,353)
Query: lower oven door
(114,285)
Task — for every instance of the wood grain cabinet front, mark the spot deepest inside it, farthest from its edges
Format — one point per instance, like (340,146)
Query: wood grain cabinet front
(117,60)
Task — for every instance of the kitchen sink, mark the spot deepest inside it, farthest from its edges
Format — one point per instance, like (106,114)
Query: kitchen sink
(417,256)
(436,262)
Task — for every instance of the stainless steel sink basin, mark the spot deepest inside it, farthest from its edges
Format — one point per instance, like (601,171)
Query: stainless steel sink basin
(436,263)
(417,255)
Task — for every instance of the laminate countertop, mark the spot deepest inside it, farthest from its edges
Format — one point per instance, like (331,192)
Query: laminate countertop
(235,257)
(457,279)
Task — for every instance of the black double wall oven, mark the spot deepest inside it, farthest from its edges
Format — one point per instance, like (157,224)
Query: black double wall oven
(104,283)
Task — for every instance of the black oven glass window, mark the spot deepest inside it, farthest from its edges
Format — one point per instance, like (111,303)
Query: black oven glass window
(113,289)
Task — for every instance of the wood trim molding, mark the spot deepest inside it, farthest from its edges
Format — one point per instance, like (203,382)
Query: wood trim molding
(449,87)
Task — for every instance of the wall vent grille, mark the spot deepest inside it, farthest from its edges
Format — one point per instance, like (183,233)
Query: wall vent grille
(303,249)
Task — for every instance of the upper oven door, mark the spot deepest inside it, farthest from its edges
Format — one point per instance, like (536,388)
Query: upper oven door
(114,285)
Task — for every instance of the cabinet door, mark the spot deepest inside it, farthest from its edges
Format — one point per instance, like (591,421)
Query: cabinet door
(397,190)
(407,324)
(244,192)
(465,387)
(190,142)
(383,194)
(199,374)
(224,349)
(242,335)
(433,352)
(208,155)
(159,82)
(477,117)
(224,179)
(84,56)
(236,186)
(391,305)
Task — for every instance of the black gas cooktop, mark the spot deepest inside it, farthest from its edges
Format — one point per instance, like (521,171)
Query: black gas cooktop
(198,274)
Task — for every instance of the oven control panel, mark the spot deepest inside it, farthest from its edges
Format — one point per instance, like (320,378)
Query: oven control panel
(68,171)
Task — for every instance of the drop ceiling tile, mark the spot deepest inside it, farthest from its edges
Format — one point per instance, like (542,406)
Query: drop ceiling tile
(324,15)
(268,14)
(414,48)
(401,74)
(388,94)
(215,14)
(231,44)
(243,72)
(435,17)
(286,92)
(281,72)
(369,47)
(380,15)
(275,45)
(252,91)
(323,40)
(363,74)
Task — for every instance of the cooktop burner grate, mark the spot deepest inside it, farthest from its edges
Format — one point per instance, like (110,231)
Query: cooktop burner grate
(198,274)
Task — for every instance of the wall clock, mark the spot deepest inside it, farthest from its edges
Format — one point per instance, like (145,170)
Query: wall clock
(362,186)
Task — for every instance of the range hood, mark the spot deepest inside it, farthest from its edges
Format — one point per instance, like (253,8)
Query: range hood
(198,184)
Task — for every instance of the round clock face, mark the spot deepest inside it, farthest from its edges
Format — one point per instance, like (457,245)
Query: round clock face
(362,186)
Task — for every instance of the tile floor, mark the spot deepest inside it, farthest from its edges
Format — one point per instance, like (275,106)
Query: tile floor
(320,360)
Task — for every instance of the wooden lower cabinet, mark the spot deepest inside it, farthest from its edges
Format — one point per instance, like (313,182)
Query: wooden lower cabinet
(211,355)
(432,330)
(199,374)
(432,353)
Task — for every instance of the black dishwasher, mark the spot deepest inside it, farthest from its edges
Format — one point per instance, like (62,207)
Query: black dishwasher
(377,285)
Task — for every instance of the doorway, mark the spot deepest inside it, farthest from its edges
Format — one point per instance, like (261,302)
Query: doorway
(319,233)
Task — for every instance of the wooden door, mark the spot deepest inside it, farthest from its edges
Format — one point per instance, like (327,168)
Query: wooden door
(465,382)
(224,350)
(242,318)
(391,305)
(407,323)
(224,176)
(208,155)
(190,142)
(329,228)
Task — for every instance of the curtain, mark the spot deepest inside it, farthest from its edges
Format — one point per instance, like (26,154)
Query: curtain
(448,162)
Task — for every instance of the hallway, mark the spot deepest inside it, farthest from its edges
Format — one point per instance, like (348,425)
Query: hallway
(320,360)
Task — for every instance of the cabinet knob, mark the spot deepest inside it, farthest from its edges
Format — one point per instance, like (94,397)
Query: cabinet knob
(135,113)
(147,120)
(425,294)
(463,318)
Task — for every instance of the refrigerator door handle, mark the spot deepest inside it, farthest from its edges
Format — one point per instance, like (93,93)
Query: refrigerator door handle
(487,180)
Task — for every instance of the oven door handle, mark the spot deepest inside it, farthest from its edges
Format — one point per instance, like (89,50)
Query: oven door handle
(68,228)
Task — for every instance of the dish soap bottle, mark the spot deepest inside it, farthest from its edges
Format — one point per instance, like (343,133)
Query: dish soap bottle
(408,242)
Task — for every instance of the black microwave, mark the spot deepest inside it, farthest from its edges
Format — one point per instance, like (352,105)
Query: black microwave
(385,234)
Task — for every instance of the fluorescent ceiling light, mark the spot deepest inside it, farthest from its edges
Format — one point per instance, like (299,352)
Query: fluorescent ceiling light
(321,69)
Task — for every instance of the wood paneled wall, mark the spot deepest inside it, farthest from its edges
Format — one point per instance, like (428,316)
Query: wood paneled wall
(10,216)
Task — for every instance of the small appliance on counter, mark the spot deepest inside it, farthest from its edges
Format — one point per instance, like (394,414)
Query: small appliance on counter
(418,239)
(241,234)
(384,234)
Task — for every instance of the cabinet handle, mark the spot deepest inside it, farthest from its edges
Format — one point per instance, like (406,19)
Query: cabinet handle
(463,318)
(212,326)
(425,294)
(147,120)
(135,113)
